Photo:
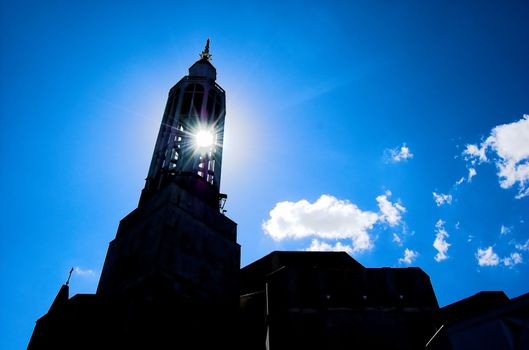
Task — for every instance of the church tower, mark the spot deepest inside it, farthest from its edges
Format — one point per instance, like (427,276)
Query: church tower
(177,237)
(171,274)
(189,146)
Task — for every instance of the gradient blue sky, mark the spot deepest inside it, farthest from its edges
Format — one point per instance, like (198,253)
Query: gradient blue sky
(319,96)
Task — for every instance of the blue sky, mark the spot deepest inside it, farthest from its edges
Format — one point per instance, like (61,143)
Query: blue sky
(342,121)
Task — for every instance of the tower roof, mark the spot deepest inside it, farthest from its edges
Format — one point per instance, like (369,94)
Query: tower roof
(203,67)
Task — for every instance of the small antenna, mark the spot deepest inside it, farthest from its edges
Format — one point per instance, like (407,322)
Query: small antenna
(69,276)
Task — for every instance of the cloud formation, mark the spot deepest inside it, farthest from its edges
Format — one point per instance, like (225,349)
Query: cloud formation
(524,246)
(440,242)
(513,259)
(330,218)
(441,198)
(487,257)
(327,218)
(83,272)
(319,246)
(471,173)
(508,147)
(389,212)
(397,239)
(409,256)
(398,154)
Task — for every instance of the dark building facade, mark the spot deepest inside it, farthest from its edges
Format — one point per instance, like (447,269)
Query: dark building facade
(172,278)
(322,300)
(487,320)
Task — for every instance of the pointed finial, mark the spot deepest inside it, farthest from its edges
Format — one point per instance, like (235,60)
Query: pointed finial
(69,276)
(205,54)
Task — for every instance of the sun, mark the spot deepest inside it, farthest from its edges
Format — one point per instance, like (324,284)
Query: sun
(204,139)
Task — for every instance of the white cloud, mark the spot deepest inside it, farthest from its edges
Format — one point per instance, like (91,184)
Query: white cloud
(440,242)
(398,154)
(508,145)
(397,239)
(460,181)
(487,257)
(331,218)
(471,173)
(389,212)
(83,273)
(327,218)
(524,246)
(319,246)
(472,152)
(513,259)
(504,230)
(409,256)
(441,199)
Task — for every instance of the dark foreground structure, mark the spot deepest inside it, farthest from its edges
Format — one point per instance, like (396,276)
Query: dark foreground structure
(172,277)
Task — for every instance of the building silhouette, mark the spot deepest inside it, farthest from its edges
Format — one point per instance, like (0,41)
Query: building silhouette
(172,278)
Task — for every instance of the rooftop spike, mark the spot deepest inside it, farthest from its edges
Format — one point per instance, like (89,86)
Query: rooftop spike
(205,55)
(69,276)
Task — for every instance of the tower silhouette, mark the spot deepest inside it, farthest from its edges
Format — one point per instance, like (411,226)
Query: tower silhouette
(171,275)
(178,234)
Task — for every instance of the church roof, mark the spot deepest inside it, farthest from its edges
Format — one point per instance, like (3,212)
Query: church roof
(203,68)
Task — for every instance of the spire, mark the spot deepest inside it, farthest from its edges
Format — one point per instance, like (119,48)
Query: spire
(69,276)
(205,55)
(203,67)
